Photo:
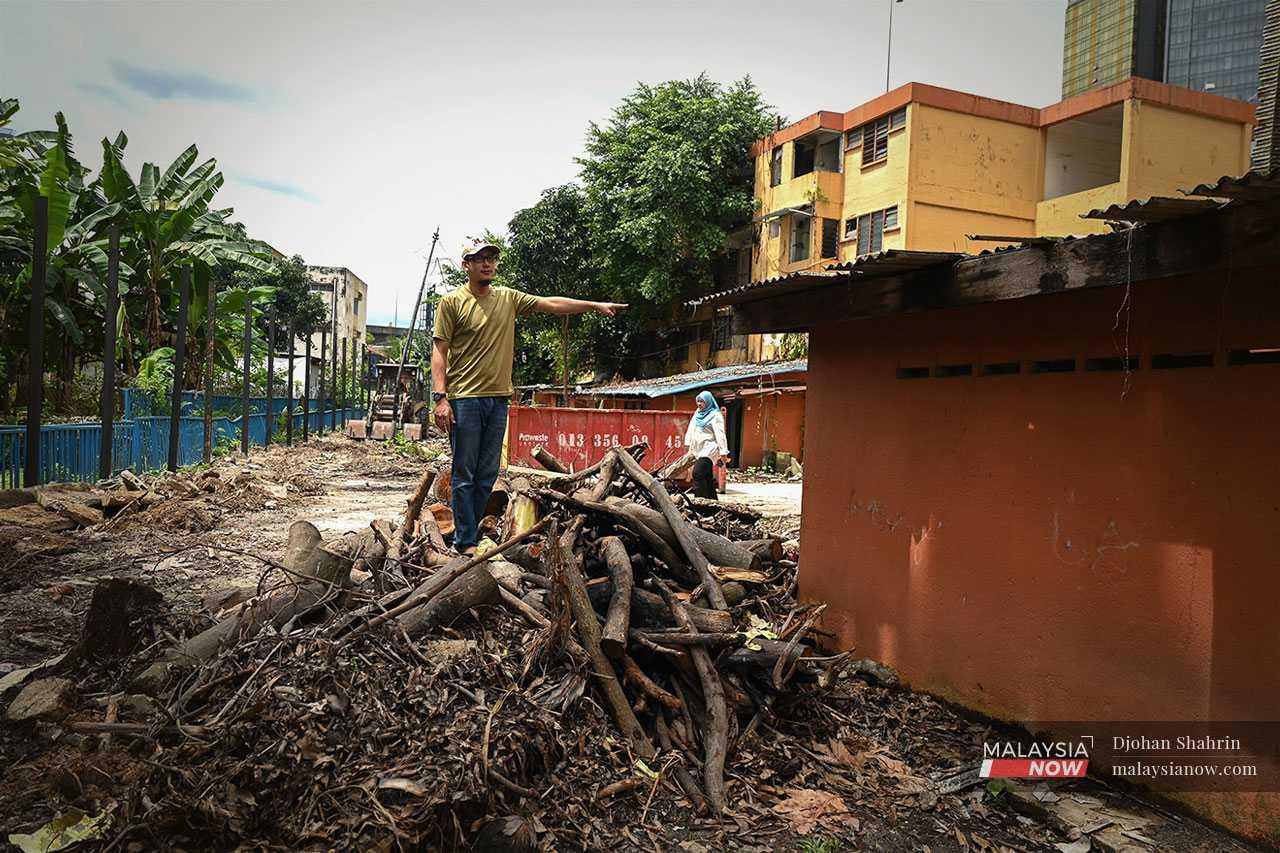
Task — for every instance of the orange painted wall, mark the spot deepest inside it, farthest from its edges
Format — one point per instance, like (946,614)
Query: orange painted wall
(1054,546)
(772,422)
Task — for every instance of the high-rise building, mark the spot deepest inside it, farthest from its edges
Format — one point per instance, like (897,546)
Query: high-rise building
(1215,45)
(1266,140)
(1107,41)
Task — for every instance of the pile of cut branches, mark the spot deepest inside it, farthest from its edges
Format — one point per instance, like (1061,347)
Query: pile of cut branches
(377,690)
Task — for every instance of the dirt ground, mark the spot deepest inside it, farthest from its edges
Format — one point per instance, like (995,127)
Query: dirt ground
(881,752)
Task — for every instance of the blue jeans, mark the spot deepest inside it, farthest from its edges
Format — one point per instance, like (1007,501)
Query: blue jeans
(479,424)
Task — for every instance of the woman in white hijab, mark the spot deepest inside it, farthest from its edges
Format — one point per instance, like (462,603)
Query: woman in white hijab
(705,440)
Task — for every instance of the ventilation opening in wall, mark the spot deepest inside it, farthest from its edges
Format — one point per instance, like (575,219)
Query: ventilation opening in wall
(1054,365)
(945,370)
(913,373)
(1256,355)
(1002,368)
(1174,360)
(1112,363)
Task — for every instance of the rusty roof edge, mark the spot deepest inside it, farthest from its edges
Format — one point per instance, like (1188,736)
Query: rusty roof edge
(796,281)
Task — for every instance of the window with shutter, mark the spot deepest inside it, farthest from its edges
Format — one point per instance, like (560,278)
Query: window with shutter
(775,167)
(877,230)
(870,228)
(830,237)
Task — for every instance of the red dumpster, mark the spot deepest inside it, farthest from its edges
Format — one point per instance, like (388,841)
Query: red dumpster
(581,437)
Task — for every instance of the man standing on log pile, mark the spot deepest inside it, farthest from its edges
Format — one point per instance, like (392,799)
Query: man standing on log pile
(474,344)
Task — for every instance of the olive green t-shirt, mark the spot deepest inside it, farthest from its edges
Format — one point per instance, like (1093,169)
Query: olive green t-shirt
(481,334)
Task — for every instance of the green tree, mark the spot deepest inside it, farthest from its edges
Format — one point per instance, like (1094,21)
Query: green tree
(550,253)
(43,163)
(666,180)
(173,224)
(294,300)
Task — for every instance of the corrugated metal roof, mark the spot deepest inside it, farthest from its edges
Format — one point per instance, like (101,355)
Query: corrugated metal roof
(795,281)
(1155,209)
(1251,186)
(895,262)
(664,385)
(888,262)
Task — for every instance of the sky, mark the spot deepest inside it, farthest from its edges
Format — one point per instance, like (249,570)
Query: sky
(348,132)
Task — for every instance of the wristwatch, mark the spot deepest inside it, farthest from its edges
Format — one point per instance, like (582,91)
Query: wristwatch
(437,396)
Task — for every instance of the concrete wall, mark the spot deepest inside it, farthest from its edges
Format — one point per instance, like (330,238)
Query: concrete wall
(970,174)
(1169,149)
(1060,217)
(772,422)
(1050,545)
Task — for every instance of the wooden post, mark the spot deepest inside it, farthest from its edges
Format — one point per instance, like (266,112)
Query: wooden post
(288,400)
(324,344)
(179,366)
(342,385)
(244,385)
(111,307)
(35,340)
(210,333)
(306,393)
(271,370)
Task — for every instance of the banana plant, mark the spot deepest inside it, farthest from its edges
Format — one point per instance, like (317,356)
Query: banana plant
(171,219)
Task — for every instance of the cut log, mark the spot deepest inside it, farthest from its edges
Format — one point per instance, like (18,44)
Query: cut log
(444,518)
(567,483)
(649,611)
(320,573)
(372,556)
(604,483)
(589,633)
(499,498)
(613,639)
(681,469)
(82,515)
(472,589)
(404,533)
(441,579)
(765,657)
(719,550)
(652,541)
(768,550)
(549,461)
(522,510)
(684,536)
(118,500)
(715,735)
(527,556)
(646,685)
(442,493)
(111,625)
(429,529)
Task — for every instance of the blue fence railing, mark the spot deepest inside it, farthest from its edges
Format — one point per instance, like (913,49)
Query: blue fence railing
(70,451)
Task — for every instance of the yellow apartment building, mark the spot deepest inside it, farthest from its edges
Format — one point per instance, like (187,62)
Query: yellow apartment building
(923,167)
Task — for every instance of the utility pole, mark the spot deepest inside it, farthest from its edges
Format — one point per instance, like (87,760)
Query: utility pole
(888,55)
(413,325)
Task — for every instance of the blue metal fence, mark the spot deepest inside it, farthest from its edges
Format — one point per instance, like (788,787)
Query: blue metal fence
(70,451)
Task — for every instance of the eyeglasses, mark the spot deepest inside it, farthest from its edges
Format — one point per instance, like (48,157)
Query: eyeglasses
(484,256)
